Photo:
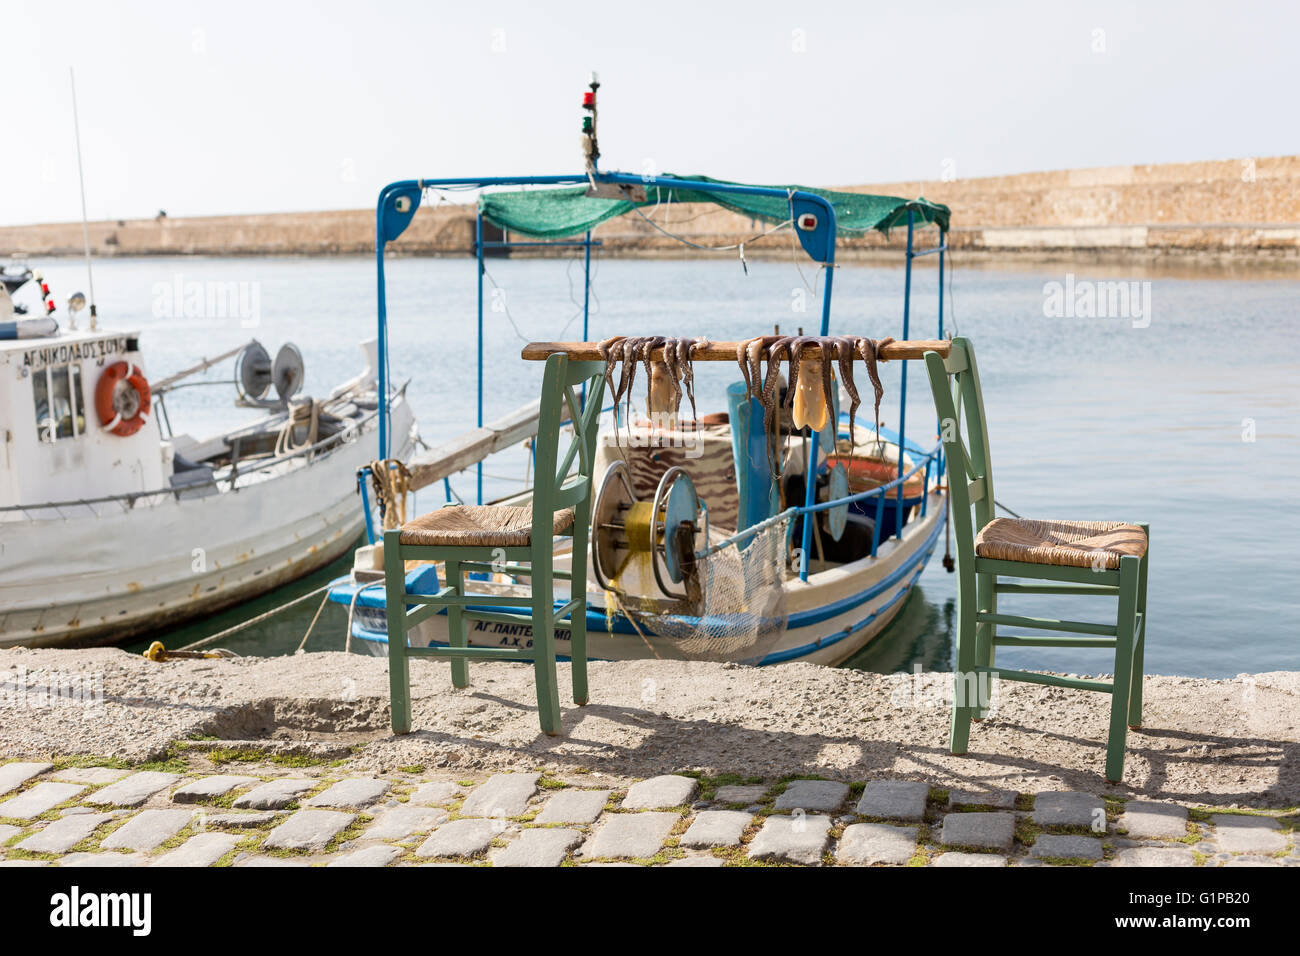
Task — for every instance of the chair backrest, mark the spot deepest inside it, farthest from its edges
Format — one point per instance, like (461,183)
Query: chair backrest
(955,382)
(562,389)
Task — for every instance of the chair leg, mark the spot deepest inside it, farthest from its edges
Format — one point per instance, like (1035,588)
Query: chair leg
(456,636)
(548,690)
(1140,641)
(578,622)
(1129,576)
(966,683)
(987,600)
(399,673)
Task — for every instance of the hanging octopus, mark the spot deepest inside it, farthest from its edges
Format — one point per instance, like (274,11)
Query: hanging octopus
(667,379)
(804,405)
(869,351)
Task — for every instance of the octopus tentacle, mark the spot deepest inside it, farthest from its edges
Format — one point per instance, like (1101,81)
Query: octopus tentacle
(781,347)
(682,360)
(844,347)
(755,349)
(771,417)
(610,357)
(674,373)
(828,385)
(869,350)
(796,347)
(646,347)
(688,373)
(628,378)
(742,359)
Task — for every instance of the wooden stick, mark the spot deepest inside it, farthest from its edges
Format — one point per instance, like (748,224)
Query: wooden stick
(721,351)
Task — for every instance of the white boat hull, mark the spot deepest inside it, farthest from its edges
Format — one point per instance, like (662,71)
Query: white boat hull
(831,617)
(102,573)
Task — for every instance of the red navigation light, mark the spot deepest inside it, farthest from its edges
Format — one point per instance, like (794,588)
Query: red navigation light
(807,221)
(589,100)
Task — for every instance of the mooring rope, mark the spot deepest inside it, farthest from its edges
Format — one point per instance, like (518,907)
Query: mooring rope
(254,620)
(312,626)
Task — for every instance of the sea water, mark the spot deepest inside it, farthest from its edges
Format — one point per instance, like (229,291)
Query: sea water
(1175,403)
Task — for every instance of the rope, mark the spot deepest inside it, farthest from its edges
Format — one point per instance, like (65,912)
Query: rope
(312,626)
(352,606)
(157,653)
(695,245)
(302,413)
(254,620)
(591,286)
(392,481)
(632,620)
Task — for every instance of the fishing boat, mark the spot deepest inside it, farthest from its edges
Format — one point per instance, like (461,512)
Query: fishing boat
(708,540)
(112,523)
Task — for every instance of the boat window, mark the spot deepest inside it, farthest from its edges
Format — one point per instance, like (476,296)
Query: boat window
(60,403)
(79,410)
(41,392)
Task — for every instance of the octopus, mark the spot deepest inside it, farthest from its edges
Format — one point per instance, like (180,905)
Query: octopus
(869,351)
(672,377)
(667,379)
(840,349)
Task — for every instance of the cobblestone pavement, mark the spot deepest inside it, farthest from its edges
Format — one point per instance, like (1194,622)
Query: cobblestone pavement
(269,815)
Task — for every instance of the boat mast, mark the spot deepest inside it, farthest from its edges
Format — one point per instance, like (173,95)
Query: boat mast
(81,178)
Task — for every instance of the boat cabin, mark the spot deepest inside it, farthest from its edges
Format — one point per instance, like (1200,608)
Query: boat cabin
(55,446)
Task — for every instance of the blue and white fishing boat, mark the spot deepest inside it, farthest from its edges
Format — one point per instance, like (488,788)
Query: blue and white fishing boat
(793,569)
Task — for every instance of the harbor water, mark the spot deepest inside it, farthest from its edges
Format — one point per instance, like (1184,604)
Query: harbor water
(1174,404)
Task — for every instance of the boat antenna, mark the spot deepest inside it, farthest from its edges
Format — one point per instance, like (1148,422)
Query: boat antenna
(81,178)
(590,148)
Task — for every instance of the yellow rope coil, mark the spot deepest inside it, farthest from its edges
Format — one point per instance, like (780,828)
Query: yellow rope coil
(637,526)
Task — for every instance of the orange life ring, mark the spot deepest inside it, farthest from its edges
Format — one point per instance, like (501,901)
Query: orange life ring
(122,399)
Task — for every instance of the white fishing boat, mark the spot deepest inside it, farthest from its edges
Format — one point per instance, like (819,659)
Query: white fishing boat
(112,524)
(707,539)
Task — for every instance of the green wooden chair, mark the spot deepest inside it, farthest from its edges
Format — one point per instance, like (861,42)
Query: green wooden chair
(515,540)
(1104,558)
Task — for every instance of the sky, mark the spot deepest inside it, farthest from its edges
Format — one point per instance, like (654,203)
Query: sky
(204,108)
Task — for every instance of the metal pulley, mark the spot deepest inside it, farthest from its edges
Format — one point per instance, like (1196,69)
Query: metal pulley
(664,528)
(255,374)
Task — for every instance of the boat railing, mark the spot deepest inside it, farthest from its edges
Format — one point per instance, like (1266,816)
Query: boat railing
(928,461)
(128,499)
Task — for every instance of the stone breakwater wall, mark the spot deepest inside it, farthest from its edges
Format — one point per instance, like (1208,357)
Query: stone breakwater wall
(1236,209)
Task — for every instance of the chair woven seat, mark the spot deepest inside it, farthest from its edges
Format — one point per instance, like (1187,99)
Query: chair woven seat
(492,526)
(1074,544)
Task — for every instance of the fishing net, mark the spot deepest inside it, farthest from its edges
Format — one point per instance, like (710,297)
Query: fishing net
(735,608)
(568,211)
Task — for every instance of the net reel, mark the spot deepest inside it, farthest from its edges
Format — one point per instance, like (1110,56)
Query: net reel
(663,528)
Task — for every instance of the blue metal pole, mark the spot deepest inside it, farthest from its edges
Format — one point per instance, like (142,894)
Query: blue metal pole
(902,391)
(943,246)
(478,253)
(586,284)
(383,331)
(363,477)
(586,303)
(810,491)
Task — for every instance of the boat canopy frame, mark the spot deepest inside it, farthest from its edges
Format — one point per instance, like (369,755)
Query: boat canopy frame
(812,216)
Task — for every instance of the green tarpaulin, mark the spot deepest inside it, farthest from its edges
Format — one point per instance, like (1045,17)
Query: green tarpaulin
(553,213)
